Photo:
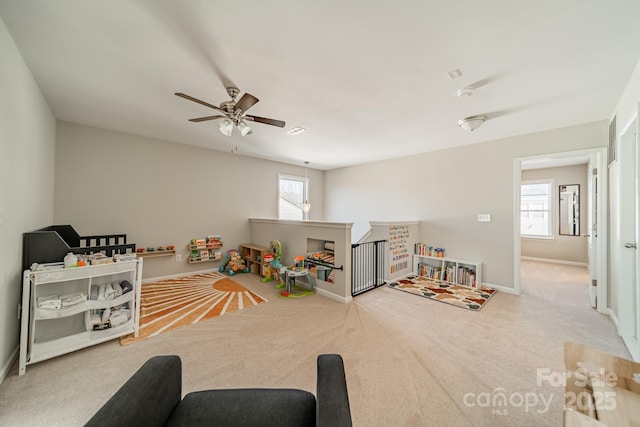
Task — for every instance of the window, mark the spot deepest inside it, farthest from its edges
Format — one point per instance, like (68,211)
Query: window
(292,192)
(535,209)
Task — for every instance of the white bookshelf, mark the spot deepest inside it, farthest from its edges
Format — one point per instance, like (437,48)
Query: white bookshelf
(451,270)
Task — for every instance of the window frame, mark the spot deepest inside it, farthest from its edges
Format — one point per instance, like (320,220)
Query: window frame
(550,210)
(305,193)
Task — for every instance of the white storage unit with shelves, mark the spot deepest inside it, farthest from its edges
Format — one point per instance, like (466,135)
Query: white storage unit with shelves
(450,270)
(51,332)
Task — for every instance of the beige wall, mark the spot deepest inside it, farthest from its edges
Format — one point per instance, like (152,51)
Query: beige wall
(446,190)
(27,144)
(382,231)
(563,248)
(162,193)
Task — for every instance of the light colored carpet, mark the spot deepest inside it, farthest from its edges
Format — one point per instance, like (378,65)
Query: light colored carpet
(408,361)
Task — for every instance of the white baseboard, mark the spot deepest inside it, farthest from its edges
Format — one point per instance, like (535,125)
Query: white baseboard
(632,347)
(555,261)
(501,288)
(333,296)
(4,371)
(612,316)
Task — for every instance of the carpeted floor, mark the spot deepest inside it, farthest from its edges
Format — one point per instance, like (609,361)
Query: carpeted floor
(408,361)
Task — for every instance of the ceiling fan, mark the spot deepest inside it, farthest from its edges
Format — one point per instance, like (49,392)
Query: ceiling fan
(233,113)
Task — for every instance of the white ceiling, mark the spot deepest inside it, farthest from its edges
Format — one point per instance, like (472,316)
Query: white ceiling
(367,78)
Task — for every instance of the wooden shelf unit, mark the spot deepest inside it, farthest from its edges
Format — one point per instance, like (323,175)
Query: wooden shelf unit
(216,257)
(451,270)
(205,250)
(253,256)
(153,254)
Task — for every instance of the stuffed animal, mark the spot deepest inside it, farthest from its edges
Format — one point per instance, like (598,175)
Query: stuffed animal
(235,263)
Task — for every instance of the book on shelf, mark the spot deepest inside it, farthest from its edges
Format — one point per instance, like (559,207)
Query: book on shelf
(429,271)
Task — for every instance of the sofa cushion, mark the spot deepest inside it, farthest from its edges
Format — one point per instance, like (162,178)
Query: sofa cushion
(246,407)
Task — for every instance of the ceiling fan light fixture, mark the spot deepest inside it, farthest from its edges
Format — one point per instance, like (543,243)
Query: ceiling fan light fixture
(243,128)
(471,123)
(233,113)
(226,127)
(465,91)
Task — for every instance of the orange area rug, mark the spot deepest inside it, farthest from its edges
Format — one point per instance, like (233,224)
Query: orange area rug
(174,303)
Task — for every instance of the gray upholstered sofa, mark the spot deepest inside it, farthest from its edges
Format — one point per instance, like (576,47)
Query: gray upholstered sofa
(153,397)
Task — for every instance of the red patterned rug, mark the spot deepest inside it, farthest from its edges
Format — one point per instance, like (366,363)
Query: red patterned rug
(174,303)
(460,296)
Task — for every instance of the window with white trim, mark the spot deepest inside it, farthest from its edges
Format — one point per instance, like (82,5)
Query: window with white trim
(292,192)
(536,208)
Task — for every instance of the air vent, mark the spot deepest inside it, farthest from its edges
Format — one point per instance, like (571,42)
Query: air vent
(296,130)
(454,74)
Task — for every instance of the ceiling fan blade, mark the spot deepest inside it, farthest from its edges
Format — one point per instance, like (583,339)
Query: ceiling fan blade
(264,120)
(246,101)
(204,119)
(191,98)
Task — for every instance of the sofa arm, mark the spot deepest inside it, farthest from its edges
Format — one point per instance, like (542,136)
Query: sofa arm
(332,397)
(148,398)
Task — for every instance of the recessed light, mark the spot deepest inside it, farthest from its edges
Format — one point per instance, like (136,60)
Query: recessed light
(296,130)
(454,74)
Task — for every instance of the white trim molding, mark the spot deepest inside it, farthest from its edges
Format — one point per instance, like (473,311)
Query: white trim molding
(555,261)
(499,288)
(7,366)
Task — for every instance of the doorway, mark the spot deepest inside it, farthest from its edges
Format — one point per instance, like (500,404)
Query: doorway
(594,229)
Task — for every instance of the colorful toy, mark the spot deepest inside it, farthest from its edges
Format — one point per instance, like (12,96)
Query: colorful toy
(273,265)
(293,271)
(267,269)
(234,264)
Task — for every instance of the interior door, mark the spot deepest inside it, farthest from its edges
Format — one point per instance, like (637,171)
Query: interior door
(626,236)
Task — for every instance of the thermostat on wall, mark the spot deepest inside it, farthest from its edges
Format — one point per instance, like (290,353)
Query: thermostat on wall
(484,217)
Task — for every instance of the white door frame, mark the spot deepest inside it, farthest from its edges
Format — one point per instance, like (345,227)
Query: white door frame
(598,158)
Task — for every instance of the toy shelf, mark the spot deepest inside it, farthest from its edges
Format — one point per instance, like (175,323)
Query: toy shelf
(253,256)
(216,257)
(202,250)
(207,246)
(153,254)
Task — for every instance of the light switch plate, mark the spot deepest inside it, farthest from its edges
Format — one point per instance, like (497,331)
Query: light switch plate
(484,217)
